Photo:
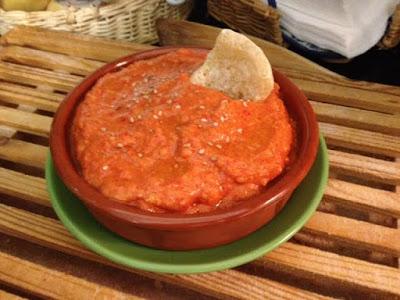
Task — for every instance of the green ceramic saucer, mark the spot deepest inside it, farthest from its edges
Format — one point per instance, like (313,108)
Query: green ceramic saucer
(294,215)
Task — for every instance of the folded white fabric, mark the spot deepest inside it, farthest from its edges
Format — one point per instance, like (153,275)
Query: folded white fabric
(347,27)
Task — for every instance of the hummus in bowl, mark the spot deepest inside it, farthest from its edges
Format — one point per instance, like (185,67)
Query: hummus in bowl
(146,136)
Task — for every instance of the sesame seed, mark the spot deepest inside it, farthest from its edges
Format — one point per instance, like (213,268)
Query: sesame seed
(201,151)
(155,91)
(227,139)
(176,166)
(218,146)
(178,106)
(245,104)
(202,107)
(155,117)
(221,188)
(213,158)
(222,119)
(204,120)
(187,145)
(215,124)
(200,126)
(103,129)
(131,119)
(169,101)
(105,167)
(140,155)
(192,193)
(160,113)
(139,117)
(240,130)
(146,79)
(120,145)
(210,144)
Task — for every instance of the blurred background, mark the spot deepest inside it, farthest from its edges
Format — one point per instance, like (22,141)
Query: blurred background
(356,38)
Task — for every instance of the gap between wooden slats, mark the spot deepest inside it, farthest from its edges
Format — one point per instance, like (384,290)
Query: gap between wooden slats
(48,60)
(364,167)
(356,233)
(357,118)
(313,262)
(24,153)
(29,188)
(25,121)
(397,191)
(7,296)
(47,283)
(70,44)
(227,284)
(11,97)
(363,197)
(349,90)
(35,76)
(359,139)
(22,90)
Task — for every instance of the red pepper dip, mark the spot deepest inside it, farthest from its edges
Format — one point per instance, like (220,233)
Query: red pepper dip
(146,136)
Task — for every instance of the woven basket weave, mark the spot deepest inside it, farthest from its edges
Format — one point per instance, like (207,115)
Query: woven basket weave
(131,20)
(256,18)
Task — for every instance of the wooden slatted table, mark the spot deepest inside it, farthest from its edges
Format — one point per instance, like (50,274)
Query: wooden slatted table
(349,249)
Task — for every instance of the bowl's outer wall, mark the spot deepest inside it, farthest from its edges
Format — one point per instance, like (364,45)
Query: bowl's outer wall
(205,237)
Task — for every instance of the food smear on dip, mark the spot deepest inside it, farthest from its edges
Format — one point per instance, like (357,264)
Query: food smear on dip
(147,137)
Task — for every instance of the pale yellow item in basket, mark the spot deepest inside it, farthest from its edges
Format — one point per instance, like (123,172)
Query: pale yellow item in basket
(237,67)
(24,5)
(54,5)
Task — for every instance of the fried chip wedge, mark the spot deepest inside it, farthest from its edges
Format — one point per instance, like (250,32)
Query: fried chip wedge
(237,67)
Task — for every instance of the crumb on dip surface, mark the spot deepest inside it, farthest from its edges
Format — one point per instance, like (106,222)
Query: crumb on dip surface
(146,136)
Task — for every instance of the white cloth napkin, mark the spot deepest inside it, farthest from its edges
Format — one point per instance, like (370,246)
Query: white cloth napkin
(347,27)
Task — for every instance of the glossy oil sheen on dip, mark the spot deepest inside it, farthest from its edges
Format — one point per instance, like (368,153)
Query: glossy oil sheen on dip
(146,136)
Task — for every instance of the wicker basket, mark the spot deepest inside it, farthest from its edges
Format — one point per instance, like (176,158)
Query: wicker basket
(257,18)
(132,20)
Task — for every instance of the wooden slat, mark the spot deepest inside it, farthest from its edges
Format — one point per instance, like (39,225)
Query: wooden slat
(10,97)
(323,267)
(359,139)
(321,84)
(357,118)
(24,186)
(18,89)
(228,284)
(84,46)
(34,76)
(356,233)
(363,197)
(7,296)
(44,282)
(23,152)
(48,60)
(25,121)
(364,167)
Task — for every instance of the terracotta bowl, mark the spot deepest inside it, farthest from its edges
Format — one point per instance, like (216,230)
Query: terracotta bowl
(175,231)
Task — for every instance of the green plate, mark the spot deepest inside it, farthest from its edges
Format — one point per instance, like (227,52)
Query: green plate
(294,215)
